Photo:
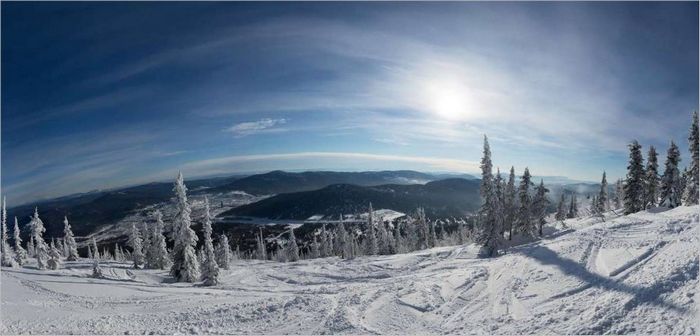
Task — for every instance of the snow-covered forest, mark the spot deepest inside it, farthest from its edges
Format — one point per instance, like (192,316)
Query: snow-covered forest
(514,267)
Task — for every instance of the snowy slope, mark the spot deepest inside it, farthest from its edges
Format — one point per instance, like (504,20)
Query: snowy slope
(633,274)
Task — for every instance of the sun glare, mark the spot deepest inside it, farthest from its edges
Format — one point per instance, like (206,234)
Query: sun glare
(449,100)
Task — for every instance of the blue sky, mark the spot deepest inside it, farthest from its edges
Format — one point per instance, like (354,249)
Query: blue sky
(99,95)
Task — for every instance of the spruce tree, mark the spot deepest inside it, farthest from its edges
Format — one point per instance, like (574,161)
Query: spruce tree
(372,245)
(69,241)
(159,250)
(539,206)
(671,179)
(573,208)
(561,208)
(690,194)
(487,229)
(223,252)
(210,269)
(524,220)
(651,182)
(41,250)
(634,186)
(499,203)
(185,266)
(602,199)
(136,243)
(95,251)
(510,203)
(20,252)
(292,247)
(8,255)
(261,249)
(54,261)
(619,194)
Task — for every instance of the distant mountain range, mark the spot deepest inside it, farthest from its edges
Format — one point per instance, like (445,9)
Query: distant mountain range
(443,198)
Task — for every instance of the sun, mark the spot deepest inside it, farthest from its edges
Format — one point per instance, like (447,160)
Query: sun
(448,99)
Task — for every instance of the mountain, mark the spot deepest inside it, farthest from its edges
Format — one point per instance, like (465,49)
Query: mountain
(277,182)
(443,198)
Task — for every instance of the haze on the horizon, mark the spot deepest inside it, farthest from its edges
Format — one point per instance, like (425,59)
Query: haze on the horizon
(98,95)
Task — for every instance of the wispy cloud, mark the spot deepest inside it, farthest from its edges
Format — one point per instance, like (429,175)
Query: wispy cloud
(265,125)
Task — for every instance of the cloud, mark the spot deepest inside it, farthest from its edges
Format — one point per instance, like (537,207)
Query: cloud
(255,127)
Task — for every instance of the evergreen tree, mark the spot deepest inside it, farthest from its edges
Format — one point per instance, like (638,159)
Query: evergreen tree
(524,220)
(261,249)
(292,247)
(20,253)
(372,246)
(539,206)
(118,256)
(146,236)
(345,245)
(54,261)
(499,203)
(315,247)
(31,249)
(159,250)
(95,251)
(573,208)
(651,182)
(487,229)
(603,200)
(223,253)
(210,269)
(690,194)
(41,251)
(8,255)
(619,194)
(561,208)
(69,240)
(510,203)
(634,186)
(671,179)
(136,243)
(185,266)
(96,269)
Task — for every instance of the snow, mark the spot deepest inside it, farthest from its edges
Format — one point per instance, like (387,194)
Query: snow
(634,274)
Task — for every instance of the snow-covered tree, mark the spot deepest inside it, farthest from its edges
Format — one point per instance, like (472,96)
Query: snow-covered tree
(41,251)
(510,205)
(634,186)
(94,249)
(20,253)
(602,199)
(210,269)
(224,255)
(524,220)
(651,180)
(292,249)
(136,243)
(690,194)
(343,243)
(54,261)
(671,180)
(69,241)
(573,207)
(619,194)
(146,237)
(159,250)
(261,250)
(315,247)
(539,206)
(8,255)
(372,247)
(561,208)
(499,203)
(185,265)
(96,270)
(487,230)
(118,256)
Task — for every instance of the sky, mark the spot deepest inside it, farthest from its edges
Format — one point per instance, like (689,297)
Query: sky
(101,95)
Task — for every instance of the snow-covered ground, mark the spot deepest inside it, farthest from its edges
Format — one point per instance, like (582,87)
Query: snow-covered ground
(634,274)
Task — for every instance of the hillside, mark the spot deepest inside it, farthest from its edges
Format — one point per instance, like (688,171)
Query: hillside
(635,274)
(444,198)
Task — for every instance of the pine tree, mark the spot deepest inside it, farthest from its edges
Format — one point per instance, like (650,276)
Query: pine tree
(634,186)
(690,194)
(561,208)
(136,243)
(524,220)
(539,206)
(20,253)
(69,239)
(210,269)
(372,246)
(292,247)
(510,203)
(670,181)
(487,229)
(8,255)
(651,181)
(159,250)
(602,200)
(40,248)
(185,266)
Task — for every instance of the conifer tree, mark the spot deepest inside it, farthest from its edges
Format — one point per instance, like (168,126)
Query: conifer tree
(539,206)
(69,241)
(345,245)
(185,266)
(634,186)
(95,251)
(499,203)
(690,194)
(510,207)
(96,269)
(671,180)
(315,247)
(619,194)
(573,208)
(146,236)
(54,261)
(210,269)
(292,247)
(372,246)
(561,208)
(20,253)
(40,248)
(261,249)
(487,227)
(524,220)
(136,243)
(651,182)
(159,250)
(602,199)
(8,255)
(223,252)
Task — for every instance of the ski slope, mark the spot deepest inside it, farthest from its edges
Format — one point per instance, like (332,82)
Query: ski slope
(635,274)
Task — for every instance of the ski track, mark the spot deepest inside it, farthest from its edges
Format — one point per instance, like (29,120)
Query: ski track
(549,286)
